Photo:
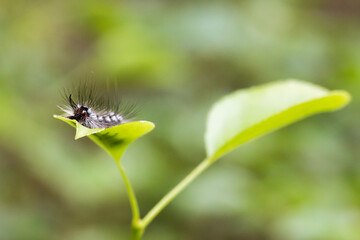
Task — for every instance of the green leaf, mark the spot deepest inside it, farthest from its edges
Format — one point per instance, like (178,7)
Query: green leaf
(113,140)
(249,113)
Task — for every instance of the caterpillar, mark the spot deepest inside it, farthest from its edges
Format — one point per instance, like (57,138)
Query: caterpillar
(93,110)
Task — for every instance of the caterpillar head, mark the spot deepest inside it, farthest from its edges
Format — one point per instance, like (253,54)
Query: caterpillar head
(80,113)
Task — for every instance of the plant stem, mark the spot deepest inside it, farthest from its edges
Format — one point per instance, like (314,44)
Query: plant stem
(137,230)
(131,194)
(174,192)
(139,225)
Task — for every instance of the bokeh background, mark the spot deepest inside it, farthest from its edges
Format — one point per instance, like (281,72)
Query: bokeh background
(176,58)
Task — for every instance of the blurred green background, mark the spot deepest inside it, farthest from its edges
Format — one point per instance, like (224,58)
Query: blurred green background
(176,58)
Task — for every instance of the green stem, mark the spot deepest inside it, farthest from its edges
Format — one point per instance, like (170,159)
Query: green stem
(139,225)
(137,230)
(131,194)
(174,192)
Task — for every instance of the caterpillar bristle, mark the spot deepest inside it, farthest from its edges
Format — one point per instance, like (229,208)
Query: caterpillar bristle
(94,110)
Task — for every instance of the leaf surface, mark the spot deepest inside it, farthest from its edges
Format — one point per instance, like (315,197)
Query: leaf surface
(113,140)
(246,114)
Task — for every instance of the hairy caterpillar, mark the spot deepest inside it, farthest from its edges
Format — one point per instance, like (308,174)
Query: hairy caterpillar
(96,111)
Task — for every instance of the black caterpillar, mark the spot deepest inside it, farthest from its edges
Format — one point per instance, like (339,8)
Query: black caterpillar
(95,111)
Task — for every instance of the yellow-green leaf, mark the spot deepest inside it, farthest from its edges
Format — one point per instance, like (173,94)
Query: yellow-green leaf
(113,140)
(249,113)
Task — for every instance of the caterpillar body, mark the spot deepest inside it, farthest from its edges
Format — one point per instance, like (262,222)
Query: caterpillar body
(94,111)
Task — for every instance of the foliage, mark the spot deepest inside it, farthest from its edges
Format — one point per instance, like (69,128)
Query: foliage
(246,114)
(113,140)
(235,119)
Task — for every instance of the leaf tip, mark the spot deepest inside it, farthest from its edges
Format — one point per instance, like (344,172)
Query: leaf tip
(343,98)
